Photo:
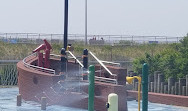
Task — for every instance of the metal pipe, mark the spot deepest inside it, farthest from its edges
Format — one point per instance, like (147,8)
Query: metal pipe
(75,58)
(145,87)
(91,88)
(110,62)
(102,64)
(107,80)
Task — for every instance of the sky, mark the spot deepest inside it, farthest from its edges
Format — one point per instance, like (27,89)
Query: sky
(109,17)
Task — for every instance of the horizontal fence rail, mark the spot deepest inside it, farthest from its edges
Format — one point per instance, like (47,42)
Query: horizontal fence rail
(36,38)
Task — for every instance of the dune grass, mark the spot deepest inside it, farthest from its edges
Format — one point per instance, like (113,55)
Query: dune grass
(106,52)
(15,51)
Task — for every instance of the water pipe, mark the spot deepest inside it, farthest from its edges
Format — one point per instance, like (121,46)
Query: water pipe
(63,63)
(85,63)
(145,87)
(91,88)
(129,80)
(40,54)
(47,54)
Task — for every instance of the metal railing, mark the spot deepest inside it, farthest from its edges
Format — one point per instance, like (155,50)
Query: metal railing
(74,57)
(103,79)
(108,39)
(100,62)
(69,57)
(51,71)
(28,65)
(106,80)
(112,63)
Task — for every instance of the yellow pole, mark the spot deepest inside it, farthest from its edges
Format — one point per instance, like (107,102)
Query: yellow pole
(139,84)
(129,80)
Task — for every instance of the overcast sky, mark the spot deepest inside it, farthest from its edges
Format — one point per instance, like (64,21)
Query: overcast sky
(128,17)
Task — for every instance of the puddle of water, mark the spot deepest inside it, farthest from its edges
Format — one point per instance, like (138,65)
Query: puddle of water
(8,103)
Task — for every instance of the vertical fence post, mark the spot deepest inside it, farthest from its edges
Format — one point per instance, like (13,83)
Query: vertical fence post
(182,82)
(6,36)
(152,86)
(91,88)
(132,41)
(109,39)
(171,82)
(51,38)
(39,36)
(176,88)
(162,87)
(145,87)
(160,79)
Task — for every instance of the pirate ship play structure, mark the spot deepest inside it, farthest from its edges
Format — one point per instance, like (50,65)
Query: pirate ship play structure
(62,79)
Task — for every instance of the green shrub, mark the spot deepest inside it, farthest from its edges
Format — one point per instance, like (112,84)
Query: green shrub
(173,62)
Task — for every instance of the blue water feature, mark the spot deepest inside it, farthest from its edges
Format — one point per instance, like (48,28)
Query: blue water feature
(8,103)
(133,106)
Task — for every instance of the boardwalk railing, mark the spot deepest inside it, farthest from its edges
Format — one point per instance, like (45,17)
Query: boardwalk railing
(92,39)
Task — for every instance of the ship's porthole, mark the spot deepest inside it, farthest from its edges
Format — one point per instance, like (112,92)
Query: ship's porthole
(35,80)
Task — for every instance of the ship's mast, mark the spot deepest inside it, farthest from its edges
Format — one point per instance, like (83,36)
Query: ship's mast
(66,24)
(85,22)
